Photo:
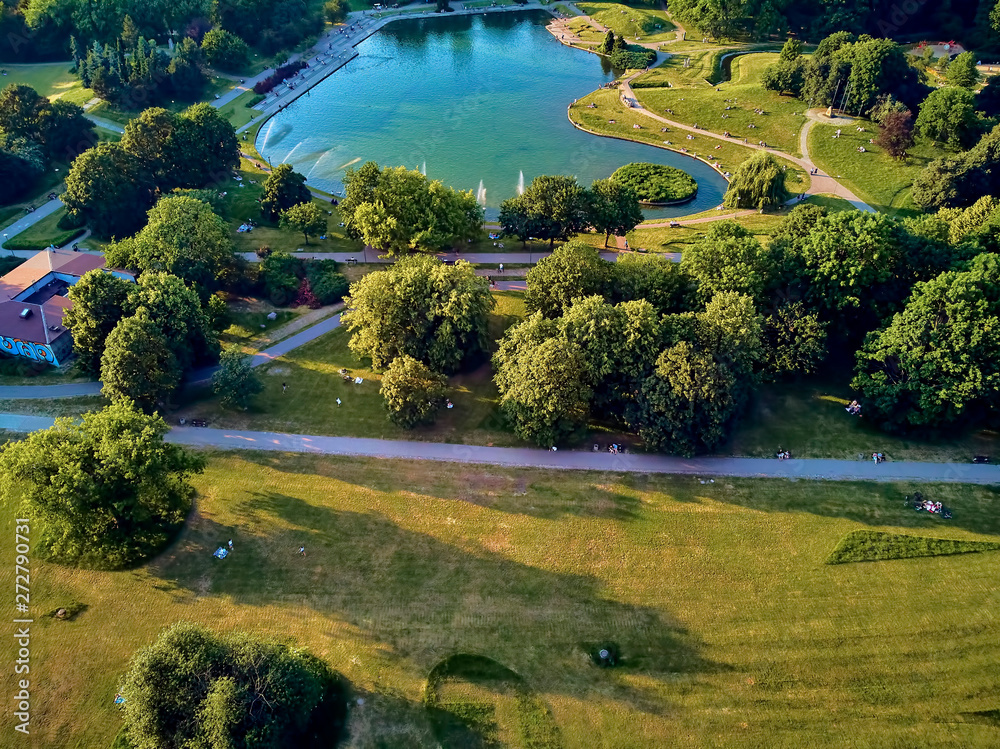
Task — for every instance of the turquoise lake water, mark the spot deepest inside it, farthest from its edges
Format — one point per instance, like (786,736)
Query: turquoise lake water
(478,102)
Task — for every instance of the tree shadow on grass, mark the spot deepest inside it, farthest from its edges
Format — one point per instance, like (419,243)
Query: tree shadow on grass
(426,598)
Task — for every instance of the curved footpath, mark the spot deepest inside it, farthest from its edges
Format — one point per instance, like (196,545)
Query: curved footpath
(516,457)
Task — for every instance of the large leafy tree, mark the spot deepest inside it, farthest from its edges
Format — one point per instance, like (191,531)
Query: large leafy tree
(794,340)
(653,277)
(728,258)
(108,490)
(99,303)
(938,361)
(177,312)
(235,381)
(688,402)
(436,313)
(574,270)
(962,71)
(542,383)
(207,146)
(183,237)
(759,182)
(398,210)
(107,188)
(137,366)
(307,218)
(224,50)
(283,188)
(20,108)
(193,688)
(551,207)
(413,393)
(896,134)
(959,181)
(612,208)
(949,115)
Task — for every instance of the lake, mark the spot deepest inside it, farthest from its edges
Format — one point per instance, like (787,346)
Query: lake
(478,102)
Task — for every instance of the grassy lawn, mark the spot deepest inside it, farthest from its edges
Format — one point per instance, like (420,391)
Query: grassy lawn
(598,120)
(54,406)
(642,24)
(701,65)
(45,232)
(20,371)
(809,419)
(238,111)
(248,325)
(879,180)
(706,105)
(314,383)
(732,630)
(50,79)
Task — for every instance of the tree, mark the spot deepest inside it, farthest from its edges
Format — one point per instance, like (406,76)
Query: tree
(106,188)
(948,115)
(728,258)
(607,45)
(542,387)
(22,162)
(896,134)
(235,381)
(759,182)
(852,261)
(195,688)
(938,361)
(177,312)
(794,340)
(207,147)
(398,210)
(687,404)
(225,50)
(413,393)
(335,11)
(138,366)
(283,188)
(995,16)
(307,218)
(573,271)
(612,208)
(959,181)
(962,71)
(988,98)
(785,76)
(65,130)
(555,207)
(109,492)
(436,313)
(653,277)
(20,107)
(791,49)
(99,299)
(183,237)
(152,139)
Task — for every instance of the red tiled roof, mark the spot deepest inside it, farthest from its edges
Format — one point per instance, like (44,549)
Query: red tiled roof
(41,264)
(35,329)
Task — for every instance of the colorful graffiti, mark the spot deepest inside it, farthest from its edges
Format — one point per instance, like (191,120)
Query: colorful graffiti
(33,351)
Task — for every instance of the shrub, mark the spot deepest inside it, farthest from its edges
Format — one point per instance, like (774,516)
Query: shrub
(285,71)
(654,183)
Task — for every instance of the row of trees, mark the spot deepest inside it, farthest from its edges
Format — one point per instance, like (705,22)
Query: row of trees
(270,25)
(132,72)
(958,181)
(846,72)
(34,133)
(397,210)
(111,186)
(556,207)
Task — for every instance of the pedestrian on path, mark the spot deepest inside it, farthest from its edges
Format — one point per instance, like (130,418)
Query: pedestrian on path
(501,267)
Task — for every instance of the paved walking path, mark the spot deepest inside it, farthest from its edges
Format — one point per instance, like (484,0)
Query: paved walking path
(576,460)
(30,219)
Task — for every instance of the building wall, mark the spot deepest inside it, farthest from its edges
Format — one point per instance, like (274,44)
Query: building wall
(34,351)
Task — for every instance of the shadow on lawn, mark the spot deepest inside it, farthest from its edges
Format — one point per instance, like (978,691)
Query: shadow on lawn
(427,598)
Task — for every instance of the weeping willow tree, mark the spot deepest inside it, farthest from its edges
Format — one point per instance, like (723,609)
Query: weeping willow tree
(759,182)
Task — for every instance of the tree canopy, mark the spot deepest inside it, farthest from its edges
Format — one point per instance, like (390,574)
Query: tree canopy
(938,361)
(413,393)
(728,258)
(283,188)
(235,381)
(193,687)
(758,182)
(307,218)
(420,307)
(948,115)
(107,489)
(99,303)
(397,210)
(574,270)
(551,207)
(613,208)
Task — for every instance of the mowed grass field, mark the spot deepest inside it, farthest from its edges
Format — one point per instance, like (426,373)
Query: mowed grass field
(50,79)
(874,176)
(650,26)
(706,105)
(731,627)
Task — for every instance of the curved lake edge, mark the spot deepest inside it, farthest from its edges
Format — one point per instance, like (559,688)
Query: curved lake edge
(263,125)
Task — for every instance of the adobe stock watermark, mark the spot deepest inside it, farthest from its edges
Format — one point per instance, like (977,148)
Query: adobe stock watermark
(22,626)
(900,14)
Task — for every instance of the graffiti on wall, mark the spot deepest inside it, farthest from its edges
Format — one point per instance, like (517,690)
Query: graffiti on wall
(33,351)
